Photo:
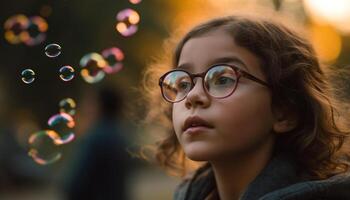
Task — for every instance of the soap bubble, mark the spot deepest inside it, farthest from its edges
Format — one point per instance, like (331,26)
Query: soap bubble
(92,65)
(62,124)
(28,76)
(36,31)
(114,57)
(52,50)
(127,22)
(15,27)
(66,73)
(135,1)
(43,147)
(67,105)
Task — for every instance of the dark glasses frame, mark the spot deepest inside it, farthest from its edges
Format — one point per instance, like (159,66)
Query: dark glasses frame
(239,73)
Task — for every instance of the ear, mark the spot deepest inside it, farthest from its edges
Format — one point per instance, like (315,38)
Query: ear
(285,121)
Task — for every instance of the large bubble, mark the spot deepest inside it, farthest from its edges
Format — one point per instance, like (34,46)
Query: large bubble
(36,31)
(28,76)
(114,57)
(127,22)
(15,27)
(44,148)
(62,124)
(92,65)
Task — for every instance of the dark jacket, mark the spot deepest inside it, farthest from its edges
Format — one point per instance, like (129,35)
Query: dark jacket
(278,180)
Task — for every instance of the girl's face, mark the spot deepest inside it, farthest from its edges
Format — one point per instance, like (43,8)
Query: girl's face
(240,123)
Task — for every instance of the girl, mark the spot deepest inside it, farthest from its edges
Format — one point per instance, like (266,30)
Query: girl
(247,97)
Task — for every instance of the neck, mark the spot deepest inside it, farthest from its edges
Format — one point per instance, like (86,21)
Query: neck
(233,175)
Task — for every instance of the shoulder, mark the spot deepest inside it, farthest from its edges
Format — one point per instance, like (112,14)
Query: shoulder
(335,187)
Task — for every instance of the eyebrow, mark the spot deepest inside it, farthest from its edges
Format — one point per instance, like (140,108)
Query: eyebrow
(230,59)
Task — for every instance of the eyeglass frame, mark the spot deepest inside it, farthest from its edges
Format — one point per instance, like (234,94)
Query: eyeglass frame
(239,73)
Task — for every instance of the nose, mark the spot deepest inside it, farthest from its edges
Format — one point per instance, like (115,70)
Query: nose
(197,96)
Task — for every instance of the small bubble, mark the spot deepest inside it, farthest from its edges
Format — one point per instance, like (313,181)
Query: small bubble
(127,22)
(52,50)
(135,1)
(43,147)
(66,73)
(28,76)
(67,105)
(62,124)
(92,65)
(114,57)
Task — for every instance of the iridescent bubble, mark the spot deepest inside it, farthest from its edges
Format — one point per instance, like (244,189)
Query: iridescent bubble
(135,1)
(127,22)
(52,50)
(15,27)
(62,124)
(28,76)
(43,147)
(114,57)
(92,65)
(66,73)
(68,106)
(36,30)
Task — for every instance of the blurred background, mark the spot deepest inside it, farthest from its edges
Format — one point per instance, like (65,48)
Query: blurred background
(67,115)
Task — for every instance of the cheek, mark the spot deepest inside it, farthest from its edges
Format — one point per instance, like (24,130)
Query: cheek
(245,118)
(177,118)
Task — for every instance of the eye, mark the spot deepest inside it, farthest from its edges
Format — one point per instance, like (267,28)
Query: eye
(184,85)
(222,80)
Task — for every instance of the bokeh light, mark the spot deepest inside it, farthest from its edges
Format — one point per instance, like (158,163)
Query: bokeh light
(28,76)
(326,41)
(92,65)
(114,57)
(336,13)
(43,147)
(127,21)
(68,106)
(63,124)
(52,50)
(66,73)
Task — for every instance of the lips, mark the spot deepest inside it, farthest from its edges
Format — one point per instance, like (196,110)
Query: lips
(196,121)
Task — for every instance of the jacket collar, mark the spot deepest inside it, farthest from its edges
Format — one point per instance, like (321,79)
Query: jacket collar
(280,179)
(280,172)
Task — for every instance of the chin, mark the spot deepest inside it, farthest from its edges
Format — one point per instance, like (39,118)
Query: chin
(197,151)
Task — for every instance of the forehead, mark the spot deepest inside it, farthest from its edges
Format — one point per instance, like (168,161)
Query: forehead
(215,47)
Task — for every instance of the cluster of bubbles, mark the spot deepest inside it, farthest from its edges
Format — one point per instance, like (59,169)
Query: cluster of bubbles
(95,66)
(28,30)
(45,145)
(66,72)
(127,22)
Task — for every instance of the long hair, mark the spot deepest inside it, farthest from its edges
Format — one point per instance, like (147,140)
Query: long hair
(299,86)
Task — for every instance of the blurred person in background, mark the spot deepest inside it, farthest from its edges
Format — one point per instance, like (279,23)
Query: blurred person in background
(100,163)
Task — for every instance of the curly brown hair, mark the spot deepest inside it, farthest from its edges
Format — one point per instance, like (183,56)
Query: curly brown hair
(299,85)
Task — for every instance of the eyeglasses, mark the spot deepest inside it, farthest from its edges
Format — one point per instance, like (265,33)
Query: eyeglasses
(219,81)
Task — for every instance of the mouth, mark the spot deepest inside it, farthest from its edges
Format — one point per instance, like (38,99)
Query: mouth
(196,123)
